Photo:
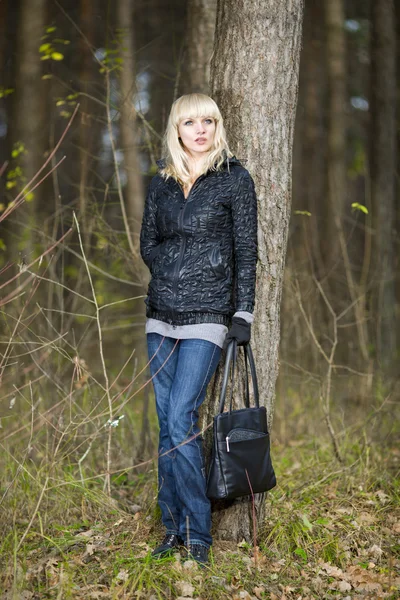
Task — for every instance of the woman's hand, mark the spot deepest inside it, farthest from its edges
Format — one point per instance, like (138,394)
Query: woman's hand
(240,331)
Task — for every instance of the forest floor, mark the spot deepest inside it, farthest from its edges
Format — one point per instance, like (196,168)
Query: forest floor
(332,531)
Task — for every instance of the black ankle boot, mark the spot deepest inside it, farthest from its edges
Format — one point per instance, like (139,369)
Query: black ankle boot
(198,553)
(169,543)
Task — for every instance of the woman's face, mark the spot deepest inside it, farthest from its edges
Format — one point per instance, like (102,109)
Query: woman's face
(197,135)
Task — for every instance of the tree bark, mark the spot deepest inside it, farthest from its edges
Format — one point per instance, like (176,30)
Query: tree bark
(336,160)
(127,121)
(87,132)
(254,80)
(29,122)
(383,172)
(4,22)
(199,41)
(313,157)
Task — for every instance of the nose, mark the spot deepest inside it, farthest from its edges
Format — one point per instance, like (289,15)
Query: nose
(200,128)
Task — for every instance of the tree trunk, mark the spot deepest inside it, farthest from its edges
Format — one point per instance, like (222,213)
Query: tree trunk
(87,131)
(254,80)
(314,150)
(383,172)
(127,122)
(29,122)
(199,43)
(336,160)
(4,79)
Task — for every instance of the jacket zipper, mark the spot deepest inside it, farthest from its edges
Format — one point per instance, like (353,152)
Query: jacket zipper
(182,250)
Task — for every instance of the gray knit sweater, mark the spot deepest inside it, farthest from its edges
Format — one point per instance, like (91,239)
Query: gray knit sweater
(211,332)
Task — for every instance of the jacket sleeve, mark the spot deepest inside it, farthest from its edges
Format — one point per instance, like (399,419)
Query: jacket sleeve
(244,217)
(149,235)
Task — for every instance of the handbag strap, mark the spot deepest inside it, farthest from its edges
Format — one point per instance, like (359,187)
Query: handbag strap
(231,354)
(247,396)
(248,353)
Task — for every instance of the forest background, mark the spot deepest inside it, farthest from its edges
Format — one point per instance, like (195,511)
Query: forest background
(85,89)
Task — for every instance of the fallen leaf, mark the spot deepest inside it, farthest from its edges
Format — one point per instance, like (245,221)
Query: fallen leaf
(258,591)
(344,586)
(365,518)
(190,564)
(370,587)
(123,575)
(383,498)
(332,570)
(86,534)
(243,595)
(184,588)
(396,527)
(375,551)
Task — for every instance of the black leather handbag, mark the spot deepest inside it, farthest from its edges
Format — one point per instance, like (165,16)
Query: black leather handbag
(240,461)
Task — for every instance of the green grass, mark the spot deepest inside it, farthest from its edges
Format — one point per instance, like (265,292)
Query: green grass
(331,530)
(326,526)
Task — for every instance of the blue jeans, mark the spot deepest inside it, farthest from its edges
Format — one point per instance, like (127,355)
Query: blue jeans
(180,387)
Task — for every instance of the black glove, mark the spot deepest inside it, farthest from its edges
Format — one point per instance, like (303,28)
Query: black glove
(240,331)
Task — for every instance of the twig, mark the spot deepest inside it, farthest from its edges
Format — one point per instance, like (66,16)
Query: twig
(39,258)
(34,513)
(325,394)
(253,503)
(110,406)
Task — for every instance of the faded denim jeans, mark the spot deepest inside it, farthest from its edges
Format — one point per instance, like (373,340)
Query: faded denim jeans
(180,379)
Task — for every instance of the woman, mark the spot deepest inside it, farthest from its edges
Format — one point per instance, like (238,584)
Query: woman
(199,240)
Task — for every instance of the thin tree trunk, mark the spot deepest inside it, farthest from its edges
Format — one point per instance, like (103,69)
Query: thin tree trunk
(336,161)
(199,41)
(4,77)
(129,142)
(87,131)
(29,123)
(383,172)
(127,123)
(254,80)
(314,148)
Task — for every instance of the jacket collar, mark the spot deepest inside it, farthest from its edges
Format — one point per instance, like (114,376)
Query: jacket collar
(227,161)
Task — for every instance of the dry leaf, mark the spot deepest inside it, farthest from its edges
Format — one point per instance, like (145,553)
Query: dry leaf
(383,498)
(258,591)
(243,595)
(375,551)
(184,588)
(190,564)
(332,570)
(396,527)
(344,586)
(365,518)
(123,575)
(370,587)
(86,534)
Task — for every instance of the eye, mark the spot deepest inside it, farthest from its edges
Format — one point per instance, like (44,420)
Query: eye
(209,120)
(186,122)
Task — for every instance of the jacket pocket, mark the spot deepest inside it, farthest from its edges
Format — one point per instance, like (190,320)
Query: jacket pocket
(154,256)
(216,261)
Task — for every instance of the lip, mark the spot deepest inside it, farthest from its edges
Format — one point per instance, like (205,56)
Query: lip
(200,140)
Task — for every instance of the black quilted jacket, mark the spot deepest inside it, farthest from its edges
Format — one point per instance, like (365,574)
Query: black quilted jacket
(202,251)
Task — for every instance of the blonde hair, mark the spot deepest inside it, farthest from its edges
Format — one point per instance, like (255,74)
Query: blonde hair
(175,162)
